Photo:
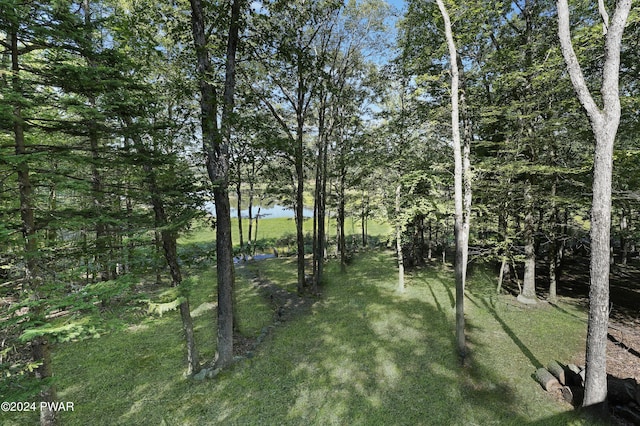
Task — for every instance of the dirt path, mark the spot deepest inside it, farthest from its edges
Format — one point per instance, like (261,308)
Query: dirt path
(285,305)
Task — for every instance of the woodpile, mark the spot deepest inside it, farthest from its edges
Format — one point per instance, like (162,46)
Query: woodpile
(623,395)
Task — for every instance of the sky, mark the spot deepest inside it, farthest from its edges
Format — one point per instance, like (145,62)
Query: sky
(398,4)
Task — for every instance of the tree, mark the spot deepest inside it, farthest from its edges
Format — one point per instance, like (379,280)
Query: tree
(604,124)
(461,224)
(19,42)
(291,62)
(341,100)
(216,148)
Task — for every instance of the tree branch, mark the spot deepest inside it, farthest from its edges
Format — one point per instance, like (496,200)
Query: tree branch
(573,66)
(612,47)
(605,16)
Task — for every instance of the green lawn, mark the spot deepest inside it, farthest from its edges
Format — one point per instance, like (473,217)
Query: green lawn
(276,228)
(364,355)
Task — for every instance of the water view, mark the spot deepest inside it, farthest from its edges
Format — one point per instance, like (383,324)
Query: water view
(273,211)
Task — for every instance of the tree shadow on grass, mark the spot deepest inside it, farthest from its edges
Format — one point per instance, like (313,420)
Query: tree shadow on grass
(512,335)
(364,355)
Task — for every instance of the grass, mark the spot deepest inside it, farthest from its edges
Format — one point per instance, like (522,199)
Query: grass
(276,228)
(139,359)
(364,355)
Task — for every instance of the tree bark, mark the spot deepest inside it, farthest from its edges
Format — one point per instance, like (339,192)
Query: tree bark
(170,248)
(342,239)
(255,231)
(40,345)
(553,262)
(250,208)
(363,218)
(430,242)
(320,195)
(547,380)
(239,205)
(558,371)
(528,294)
(300,211)
(97,186)
(216,148)
(399,240)
(459,226)
(624,242)
(299,166)
(604,123)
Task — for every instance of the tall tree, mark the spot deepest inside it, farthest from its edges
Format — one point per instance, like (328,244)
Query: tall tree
(461,224)
(293,71)
(604,124)
(216,148)
(20,41)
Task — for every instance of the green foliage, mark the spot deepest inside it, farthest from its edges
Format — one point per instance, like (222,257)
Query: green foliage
(106,291)
(161,308)
(68,332)
(171,298)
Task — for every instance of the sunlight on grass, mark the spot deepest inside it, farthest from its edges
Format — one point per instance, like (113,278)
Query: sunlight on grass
(275,228)
(364,355)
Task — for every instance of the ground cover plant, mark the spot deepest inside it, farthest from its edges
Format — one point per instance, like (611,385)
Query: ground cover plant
(361,354)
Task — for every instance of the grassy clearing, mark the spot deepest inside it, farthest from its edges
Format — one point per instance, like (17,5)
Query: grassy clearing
(273,229)
(365,355)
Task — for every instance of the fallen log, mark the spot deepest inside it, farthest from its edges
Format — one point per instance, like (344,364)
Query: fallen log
(547,380)
(573,395)
(558,371)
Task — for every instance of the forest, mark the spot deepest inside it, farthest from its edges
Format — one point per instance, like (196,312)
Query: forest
(319,212)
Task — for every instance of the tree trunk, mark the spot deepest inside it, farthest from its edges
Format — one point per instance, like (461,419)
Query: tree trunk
(430,242)
(300,211)
(170,251)
(556,244)
(239,207)
(596,354)
(216,148)
(399,241)
(170,248)
(320,199)
(459,225)
(96,178)
(299,166)
(503,266)
(342,239)
(250,207)
(528,294)
(624,242)
(40,345)
(466,177)
(255,232)
(604,124)
(322,232)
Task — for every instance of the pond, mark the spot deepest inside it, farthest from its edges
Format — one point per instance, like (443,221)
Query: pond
(273,211)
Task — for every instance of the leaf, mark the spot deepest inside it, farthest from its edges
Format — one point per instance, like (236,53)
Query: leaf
(161,308)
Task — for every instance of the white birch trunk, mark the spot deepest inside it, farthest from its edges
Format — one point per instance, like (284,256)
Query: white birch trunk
(604,123)
(461,255)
